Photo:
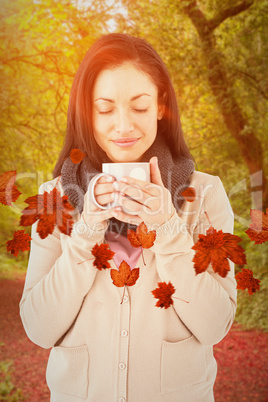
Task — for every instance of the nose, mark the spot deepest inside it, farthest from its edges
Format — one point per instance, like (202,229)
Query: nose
(123,124)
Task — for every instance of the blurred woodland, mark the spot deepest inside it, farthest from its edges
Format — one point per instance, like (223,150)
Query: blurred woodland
(217,55)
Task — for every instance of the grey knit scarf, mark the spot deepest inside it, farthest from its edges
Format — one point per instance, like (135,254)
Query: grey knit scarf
(174,172)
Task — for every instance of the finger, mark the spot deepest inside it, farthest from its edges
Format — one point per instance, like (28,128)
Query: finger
(147,188)
(103,187)
(142,196)
(104,199)
(123,217)
(131,205)
(98,214)
(106,179)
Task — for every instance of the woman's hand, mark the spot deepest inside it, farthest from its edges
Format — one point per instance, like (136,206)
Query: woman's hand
(152,201)
(96,217)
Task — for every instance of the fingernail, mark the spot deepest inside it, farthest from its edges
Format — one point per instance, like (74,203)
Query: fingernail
(124,180)
(109,178)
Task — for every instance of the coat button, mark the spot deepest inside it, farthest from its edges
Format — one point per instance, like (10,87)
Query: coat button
(125,299)
(124,332)
(122,366)
(121,399)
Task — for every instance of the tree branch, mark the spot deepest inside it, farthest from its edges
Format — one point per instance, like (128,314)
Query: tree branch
(196,15)
(250,79)
(214,22)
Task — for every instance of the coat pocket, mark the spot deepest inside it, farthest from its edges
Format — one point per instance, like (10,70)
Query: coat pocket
(67,370)
(183,364)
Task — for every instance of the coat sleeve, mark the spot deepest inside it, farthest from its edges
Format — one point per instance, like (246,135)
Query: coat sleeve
(212,299)
(55,284)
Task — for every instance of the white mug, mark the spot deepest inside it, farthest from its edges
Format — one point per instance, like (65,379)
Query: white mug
(137,170)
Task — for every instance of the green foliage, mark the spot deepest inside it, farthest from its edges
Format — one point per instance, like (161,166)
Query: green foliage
(252,309)
(11,267)
(8,391)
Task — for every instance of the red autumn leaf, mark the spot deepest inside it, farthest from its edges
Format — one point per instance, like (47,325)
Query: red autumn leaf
(164,293)
(125,275)
(245,280)
(50,209)
(76,155)
(141,238)
(215,247)
(8,192)
(20,242)
(189,194)
(102,254)
(258,229)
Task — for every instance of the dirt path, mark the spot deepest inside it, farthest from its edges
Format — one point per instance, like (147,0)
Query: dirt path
(242,356)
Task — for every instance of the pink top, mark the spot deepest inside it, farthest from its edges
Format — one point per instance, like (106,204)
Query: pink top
(123,249)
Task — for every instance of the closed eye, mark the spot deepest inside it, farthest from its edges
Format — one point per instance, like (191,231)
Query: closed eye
(141,110)
(107,112)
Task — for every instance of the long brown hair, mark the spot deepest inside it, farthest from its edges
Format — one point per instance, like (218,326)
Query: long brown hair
(110,51)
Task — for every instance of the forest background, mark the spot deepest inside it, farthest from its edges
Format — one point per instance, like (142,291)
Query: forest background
(217,54)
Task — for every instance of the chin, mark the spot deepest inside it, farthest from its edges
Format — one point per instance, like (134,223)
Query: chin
(127,157)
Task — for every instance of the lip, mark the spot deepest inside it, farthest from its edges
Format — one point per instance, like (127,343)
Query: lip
(125,142)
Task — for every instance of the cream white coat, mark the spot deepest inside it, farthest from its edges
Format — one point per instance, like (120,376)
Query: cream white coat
(105,351)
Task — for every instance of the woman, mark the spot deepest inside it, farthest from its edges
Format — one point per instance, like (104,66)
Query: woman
(104,350)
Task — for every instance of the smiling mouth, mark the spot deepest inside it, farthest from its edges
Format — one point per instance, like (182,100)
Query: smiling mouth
(123,140)
(125,143)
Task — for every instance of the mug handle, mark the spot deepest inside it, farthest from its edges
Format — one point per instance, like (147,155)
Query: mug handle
(91,187)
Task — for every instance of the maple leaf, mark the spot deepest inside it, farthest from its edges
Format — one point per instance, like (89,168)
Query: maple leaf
(141,238)
(246,280)
(8,192)
(258,229)
(164,293)
(189,194)
(125,275)
(20,242)
(76,155)
(49,209)
(215,247)
(102,254)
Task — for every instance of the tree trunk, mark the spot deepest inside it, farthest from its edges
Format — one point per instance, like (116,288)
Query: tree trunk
(222,88)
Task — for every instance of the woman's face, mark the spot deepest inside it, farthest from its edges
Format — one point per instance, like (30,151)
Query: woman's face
(125,107)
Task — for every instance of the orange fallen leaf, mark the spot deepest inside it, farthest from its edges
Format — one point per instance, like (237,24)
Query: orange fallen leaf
(141,238)
(49,209)
(189,194)
(125,275)
(76,155)
(8,191)
(20,242)
(245,280)
(216,247)
(164,293)
(102,254)
(258,229)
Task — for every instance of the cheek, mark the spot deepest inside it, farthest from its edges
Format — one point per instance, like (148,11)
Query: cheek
(101,126)
(149,122)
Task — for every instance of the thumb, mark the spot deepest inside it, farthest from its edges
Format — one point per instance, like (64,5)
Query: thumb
(155,172)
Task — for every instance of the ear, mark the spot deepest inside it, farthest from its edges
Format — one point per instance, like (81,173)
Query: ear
(161,111)
(161,106)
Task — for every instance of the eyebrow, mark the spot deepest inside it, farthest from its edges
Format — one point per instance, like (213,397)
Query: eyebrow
(112,101)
